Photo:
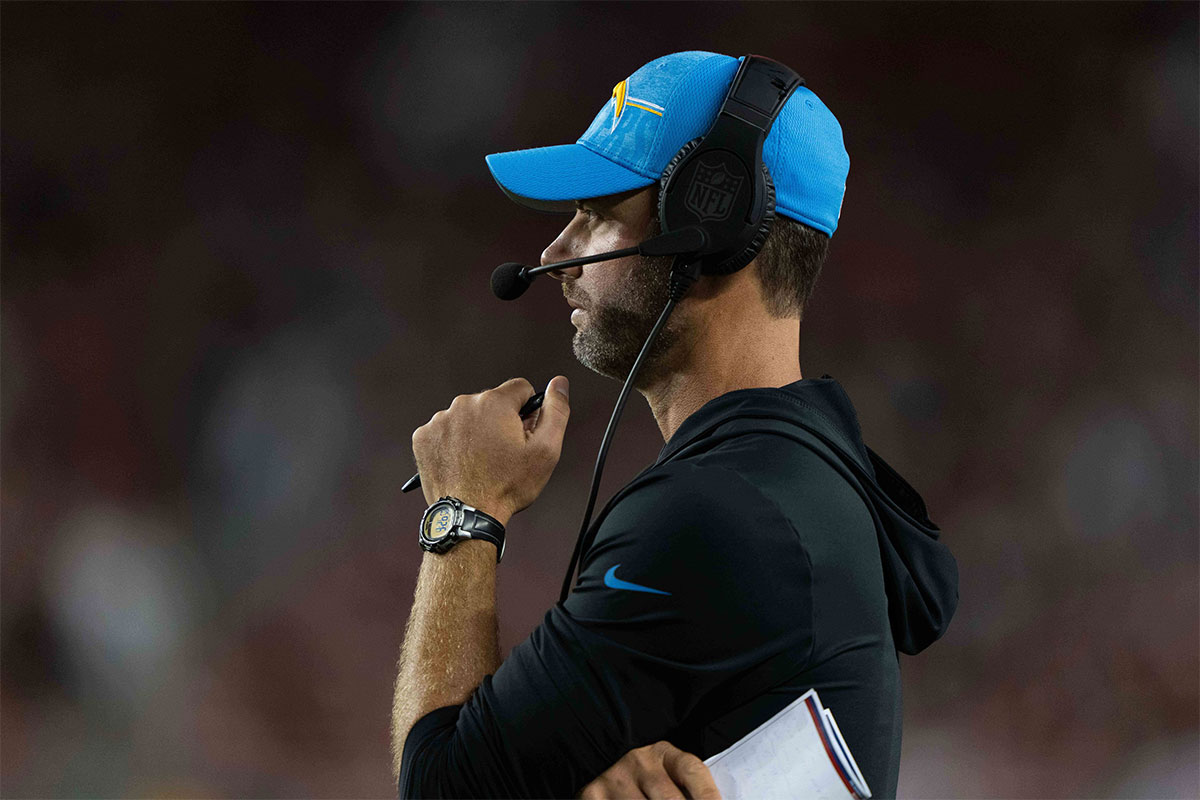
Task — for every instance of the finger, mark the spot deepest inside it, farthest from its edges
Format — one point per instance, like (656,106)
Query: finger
(657,785)
(532,420)
(555,411)
(515,391)
(593,791)
(688,771)
(614,786)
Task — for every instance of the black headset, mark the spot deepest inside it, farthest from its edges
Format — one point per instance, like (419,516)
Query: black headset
(716,205)
(719,180)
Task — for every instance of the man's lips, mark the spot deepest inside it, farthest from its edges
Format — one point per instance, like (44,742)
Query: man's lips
(573,304)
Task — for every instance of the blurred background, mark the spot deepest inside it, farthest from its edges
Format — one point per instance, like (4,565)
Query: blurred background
(246,251)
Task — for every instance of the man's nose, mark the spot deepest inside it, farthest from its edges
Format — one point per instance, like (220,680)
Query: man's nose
(556,252)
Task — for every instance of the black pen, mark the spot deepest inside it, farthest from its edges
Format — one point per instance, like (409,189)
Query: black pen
(531,405)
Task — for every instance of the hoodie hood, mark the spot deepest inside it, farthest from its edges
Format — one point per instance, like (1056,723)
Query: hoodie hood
(920,574)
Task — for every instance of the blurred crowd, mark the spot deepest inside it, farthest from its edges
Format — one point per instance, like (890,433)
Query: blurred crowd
(245,252)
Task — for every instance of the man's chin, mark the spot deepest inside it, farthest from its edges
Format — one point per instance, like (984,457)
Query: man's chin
(588,359)
(609,366)
(608,344)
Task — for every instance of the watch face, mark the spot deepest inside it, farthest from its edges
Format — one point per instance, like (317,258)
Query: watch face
(439,522)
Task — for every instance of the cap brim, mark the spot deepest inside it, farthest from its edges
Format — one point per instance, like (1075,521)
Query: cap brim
(553,178)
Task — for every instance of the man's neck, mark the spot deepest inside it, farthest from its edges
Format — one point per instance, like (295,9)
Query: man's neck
(758,357)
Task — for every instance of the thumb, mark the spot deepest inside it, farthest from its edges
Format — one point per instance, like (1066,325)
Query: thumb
(555,411)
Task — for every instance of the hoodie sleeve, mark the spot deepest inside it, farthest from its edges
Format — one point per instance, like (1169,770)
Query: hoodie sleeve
(693,577)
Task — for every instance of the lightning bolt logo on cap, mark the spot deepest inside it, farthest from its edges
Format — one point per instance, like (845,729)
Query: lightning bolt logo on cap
(620,100)
(618,103)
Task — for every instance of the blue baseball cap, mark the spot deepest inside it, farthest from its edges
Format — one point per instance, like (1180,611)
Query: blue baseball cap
(656,111)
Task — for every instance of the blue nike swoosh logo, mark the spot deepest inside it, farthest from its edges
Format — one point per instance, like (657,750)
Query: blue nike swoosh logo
(611,580)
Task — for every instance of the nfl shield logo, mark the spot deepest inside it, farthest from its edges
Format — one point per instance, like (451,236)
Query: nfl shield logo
(713,190)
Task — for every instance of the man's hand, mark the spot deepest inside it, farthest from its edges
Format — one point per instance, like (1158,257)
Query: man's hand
(660,771)
(481,451)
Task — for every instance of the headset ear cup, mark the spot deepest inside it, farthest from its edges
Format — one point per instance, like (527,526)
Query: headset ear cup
(752,248)
(747,254)
(672,165)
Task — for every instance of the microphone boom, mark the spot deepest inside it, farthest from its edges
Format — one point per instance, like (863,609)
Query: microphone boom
(510,280)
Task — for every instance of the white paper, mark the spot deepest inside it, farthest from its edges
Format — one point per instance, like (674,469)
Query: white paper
(786,757)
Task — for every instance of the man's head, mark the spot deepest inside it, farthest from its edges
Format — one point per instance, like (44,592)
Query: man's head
(609,179)
(623,298)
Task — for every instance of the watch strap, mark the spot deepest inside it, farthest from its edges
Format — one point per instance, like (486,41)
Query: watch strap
(478,524)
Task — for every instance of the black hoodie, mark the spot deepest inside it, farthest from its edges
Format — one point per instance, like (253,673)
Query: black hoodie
(766,551)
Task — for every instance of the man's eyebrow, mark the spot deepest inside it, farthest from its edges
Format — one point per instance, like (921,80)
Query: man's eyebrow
(594,202)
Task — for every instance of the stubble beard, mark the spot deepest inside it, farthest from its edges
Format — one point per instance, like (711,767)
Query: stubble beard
(609,339)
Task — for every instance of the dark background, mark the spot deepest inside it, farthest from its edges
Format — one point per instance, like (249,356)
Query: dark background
(246,252)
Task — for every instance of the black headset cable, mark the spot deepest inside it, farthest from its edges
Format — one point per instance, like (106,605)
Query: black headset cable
(683,275)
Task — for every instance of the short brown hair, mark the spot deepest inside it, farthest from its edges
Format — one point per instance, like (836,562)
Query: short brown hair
(788,266)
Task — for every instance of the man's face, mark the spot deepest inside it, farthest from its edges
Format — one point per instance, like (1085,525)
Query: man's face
(622,298)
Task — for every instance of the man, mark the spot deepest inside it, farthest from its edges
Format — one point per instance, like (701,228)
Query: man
(765,552)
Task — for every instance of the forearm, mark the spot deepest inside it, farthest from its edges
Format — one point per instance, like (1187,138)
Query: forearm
(451,640)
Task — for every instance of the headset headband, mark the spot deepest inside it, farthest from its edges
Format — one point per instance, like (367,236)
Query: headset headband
(759,90)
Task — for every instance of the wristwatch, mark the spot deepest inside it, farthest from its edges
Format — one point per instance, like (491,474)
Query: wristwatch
(449,521)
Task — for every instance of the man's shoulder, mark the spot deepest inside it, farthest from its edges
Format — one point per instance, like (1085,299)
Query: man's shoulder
(759,463)
(687,483)
(697,512)
(756,448)
(689,496)
(787,466)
